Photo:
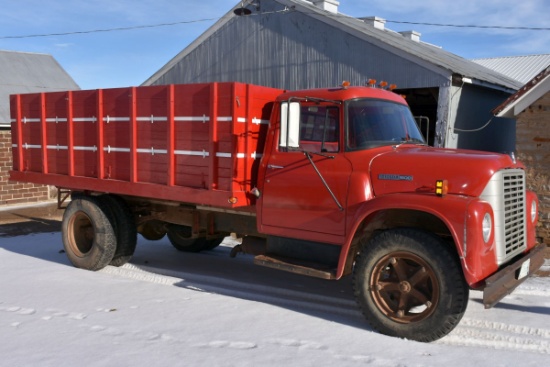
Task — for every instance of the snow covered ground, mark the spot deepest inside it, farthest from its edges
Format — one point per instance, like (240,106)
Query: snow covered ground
(169,308)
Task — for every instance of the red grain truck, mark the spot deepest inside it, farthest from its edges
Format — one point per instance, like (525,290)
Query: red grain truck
(324,182)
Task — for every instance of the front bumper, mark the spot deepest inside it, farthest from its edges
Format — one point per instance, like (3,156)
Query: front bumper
(504,281)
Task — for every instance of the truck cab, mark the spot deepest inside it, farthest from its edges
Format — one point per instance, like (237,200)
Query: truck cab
(348,170)
(321,157)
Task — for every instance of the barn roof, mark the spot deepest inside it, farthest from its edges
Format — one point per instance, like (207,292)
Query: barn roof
(521,68)
(23,72)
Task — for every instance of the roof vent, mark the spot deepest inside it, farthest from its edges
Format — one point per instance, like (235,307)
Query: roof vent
(328,5)
(412,35)
(375,22)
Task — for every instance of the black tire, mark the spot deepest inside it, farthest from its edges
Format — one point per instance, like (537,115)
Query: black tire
(126,232)
(180,238)
(409,284)
(212,244)
(152,230)
(87,232)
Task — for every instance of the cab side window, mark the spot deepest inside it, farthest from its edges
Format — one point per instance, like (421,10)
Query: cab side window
(319,128)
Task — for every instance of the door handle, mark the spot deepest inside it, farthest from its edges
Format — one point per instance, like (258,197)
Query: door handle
(272,166)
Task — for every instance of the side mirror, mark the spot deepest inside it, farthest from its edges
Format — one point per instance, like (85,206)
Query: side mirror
(290,125)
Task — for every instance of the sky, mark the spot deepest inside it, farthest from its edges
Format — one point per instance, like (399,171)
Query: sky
(129,57)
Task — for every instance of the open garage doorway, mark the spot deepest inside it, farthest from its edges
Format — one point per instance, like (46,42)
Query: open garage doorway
(423,104)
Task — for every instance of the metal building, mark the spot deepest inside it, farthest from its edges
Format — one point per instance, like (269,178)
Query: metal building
(298,44)
(26,72)
(521,68)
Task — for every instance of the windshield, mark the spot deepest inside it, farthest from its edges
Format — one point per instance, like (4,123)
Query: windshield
(373,123)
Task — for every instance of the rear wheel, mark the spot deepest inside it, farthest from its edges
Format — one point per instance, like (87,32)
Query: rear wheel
(212,244)
(88,235)
(126,232)
(152,230)
(181,238)
(410,285)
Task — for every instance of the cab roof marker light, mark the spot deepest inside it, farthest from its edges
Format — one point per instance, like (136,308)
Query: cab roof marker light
(345,84)
(371,82)
(383,84)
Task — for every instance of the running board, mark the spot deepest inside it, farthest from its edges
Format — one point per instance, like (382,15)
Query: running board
(296,266)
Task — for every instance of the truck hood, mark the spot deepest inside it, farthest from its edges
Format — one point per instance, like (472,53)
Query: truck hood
(407,168)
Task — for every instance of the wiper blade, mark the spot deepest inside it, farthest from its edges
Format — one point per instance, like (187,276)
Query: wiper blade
(411,141)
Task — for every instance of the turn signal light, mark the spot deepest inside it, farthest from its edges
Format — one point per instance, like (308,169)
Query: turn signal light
(441,187)
(232,200)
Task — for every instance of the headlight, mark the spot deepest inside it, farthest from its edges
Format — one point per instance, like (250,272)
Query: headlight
(487,227)
(533,210)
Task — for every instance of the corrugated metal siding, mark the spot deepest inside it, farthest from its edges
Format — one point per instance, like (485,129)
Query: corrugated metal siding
(22,72)
(520,68)
(338,30)
(293,51)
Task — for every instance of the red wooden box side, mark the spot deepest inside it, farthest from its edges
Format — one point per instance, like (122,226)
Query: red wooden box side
(194,143)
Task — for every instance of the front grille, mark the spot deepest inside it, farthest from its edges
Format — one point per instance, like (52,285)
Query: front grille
(506,194)
(514,209)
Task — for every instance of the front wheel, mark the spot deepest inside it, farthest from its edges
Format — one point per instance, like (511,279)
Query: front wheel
(409,284)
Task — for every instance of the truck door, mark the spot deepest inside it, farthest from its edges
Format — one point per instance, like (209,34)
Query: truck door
(305,187)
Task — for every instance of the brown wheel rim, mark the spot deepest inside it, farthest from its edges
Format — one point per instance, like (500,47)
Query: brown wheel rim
(404,287)
(81,234)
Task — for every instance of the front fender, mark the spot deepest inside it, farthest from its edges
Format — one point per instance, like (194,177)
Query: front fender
(461,215)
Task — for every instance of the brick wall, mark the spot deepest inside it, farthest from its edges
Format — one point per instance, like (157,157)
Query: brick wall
(533,148)
(15,192)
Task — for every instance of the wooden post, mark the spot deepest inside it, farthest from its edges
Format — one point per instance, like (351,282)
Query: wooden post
(170,136)
(133,135)
(99,137)
(70,133)
(43,133)
(213,138)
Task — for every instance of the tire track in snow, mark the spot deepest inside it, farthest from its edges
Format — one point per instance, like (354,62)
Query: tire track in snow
(498,335)
(525,290)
